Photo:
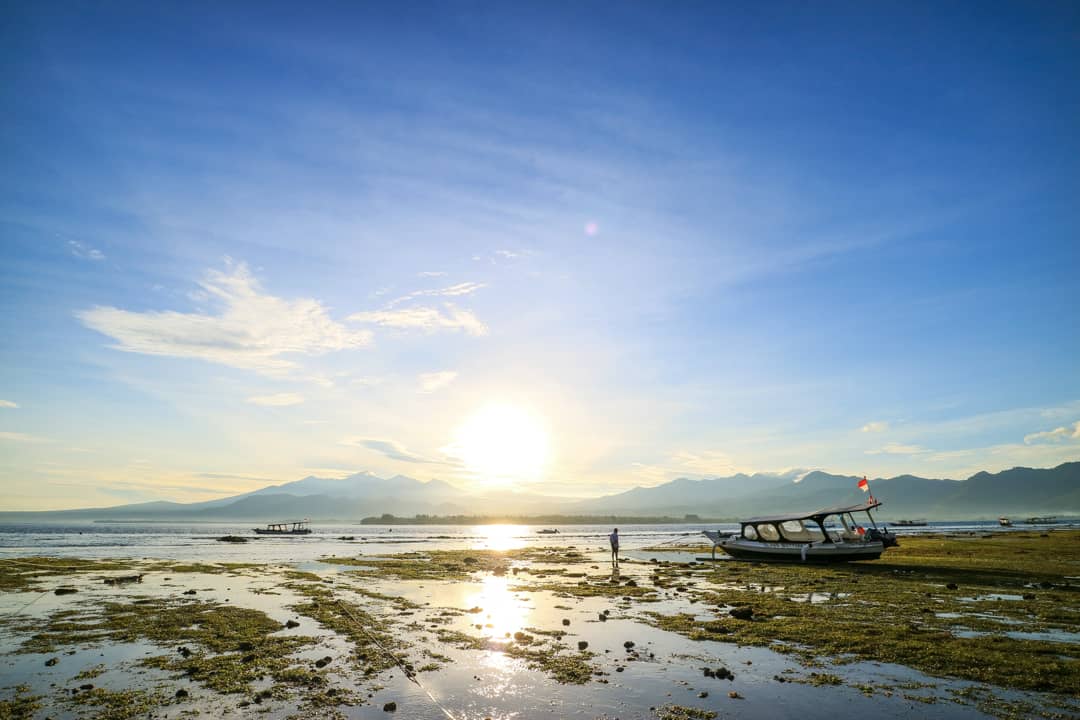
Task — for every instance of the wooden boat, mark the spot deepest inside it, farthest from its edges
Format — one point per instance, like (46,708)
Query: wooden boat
(286,528)
(821,536)
(1004,522)
(1047,520)
(911,523)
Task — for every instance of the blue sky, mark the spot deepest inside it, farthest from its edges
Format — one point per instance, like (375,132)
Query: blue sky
(251,243)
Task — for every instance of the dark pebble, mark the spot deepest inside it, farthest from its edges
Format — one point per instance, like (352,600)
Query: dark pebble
(87,686)
(51,661)
(189,592)
(292,624)
(952,586)
(65,591)
(742,613)
(566,621)
(389,707)
(582,644)
(181,693)
(628,644)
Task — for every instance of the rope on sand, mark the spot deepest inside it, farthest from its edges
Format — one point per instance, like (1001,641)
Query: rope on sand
(397,661)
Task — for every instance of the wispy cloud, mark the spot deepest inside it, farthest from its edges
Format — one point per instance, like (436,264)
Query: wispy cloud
(431,273)
(85,252)
(465,288)
(1060,434)
(895,448)
(875,427)
(427,319)
(430,382)
(276,400)
(21,437)
(252,331)
(391,449)
(8,404)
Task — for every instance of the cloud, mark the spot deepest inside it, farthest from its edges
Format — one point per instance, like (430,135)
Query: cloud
(898,449)
(21,437)
(875,427)
(1061,434)
(8,404)
(424,318)
(391,449)
(465,288)
(83,251)
(276,400)
(431,273)
(430,382)
(252,330)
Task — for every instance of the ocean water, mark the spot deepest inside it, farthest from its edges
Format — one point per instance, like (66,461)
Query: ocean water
(198,541)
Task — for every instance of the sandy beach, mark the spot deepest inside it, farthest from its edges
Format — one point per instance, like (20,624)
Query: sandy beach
(968,625)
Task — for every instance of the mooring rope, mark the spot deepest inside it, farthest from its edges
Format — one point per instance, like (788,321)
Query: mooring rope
(19,610)
(397,661)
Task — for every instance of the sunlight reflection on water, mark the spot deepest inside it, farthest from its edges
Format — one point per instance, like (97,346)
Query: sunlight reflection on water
(499,537)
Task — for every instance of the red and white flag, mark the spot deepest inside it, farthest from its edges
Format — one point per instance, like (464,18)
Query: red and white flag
(864,485)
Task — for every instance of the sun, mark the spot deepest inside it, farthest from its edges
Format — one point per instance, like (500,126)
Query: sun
(502,445)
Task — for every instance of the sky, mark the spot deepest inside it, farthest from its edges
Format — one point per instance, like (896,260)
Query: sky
(560,248)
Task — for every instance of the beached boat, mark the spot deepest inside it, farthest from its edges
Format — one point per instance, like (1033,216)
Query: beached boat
(827,535)
(286,528)
(911,523)
(547,531)
(1004,522)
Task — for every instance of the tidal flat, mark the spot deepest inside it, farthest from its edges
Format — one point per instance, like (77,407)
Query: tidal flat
(952,626)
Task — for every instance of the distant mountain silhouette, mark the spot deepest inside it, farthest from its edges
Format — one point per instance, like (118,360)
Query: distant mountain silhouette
(1018,493)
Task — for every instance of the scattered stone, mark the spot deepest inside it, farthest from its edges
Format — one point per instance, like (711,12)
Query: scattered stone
(65,590)
(703,694)
(952,586)
(734,695)
(1029,596)
(189,592)
(603,617)
(722,673)
(290,624)
(628,644)
(619,669)
(51,661)
(87,686)
(582,644)
(124,579)
(566,621)
(389,707)
(779,678)
(742,613)
(184,651)
(181,693)
(323,662)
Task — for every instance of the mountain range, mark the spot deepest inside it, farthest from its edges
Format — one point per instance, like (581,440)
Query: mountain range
(1017,492)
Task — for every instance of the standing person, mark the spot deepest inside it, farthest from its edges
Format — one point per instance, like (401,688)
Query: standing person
(614,539)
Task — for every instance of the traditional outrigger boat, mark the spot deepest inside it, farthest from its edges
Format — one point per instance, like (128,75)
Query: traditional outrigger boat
(827,535)
(286,528)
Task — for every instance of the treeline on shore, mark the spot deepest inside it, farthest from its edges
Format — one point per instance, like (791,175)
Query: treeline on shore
(388,519)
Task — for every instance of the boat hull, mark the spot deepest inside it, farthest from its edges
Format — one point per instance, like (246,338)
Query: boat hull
(261,531)
(743,549)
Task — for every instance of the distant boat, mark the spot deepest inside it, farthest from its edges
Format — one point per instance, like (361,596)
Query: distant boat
(286,528)
(1004,522)
(1048,520)
(547,531)
(828,535)
(911,523)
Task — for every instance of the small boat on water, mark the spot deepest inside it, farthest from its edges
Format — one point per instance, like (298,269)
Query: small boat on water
(911,523)
(821,536)
(1047,520)
(548,531)
(1004,522)
(286,528)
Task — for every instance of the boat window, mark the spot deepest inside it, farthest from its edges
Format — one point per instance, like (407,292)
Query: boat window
(791,527)
(768,532)
(796,531)
(749,532)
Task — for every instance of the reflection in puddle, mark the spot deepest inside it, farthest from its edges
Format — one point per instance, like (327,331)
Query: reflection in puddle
(991,596)
(502,613)
(818,597)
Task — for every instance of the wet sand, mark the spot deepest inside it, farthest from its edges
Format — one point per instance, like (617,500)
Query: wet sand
(941,627)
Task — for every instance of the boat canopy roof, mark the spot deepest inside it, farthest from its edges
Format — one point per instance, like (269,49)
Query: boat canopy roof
(824,512)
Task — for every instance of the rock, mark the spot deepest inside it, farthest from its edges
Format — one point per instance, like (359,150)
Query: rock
(183,651)
(603,617)
(619,669)
(779,678)
(631,583)
(189,592)
(722,673)
(51,661)
(582,644)
(628,644)
(245,646)
(1029,596)
(703,694)
(181,693)
(742,613)
(65,590)
(389,707)
(323,662)
(734,695)
(952,586)
(290,624)
(708,672)
(566,621)
(87,686)
(607,612)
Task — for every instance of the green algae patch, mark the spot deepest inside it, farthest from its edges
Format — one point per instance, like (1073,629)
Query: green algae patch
(433,565)
(118,704)
(22,706)
(567,668)
(27,574)
(682,712)
(940,605)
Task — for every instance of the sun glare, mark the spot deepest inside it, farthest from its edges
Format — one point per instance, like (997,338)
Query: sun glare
(502,445)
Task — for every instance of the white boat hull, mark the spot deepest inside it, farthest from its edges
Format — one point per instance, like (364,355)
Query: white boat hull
(816,552)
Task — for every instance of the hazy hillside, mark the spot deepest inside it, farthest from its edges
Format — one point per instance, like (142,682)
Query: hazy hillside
(1018,492)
